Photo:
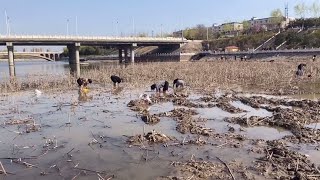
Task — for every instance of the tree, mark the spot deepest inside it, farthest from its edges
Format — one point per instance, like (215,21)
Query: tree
(142,34)
(246,25)
(315,9)
(201,32)
(227,27)
(301,10)
(276,13)
(276,17)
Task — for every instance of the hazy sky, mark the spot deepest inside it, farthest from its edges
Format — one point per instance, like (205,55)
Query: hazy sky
(100,17)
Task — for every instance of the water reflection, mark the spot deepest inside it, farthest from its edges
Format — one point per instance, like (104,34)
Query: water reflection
(43,67)
(37,67)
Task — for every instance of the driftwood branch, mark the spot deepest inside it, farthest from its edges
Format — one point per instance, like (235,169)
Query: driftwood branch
(227,167)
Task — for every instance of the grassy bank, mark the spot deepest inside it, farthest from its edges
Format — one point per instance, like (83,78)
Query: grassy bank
(276,77)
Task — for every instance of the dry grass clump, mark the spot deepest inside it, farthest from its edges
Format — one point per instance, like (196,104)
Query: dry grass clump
(279,75)
(273,76)
(37,82)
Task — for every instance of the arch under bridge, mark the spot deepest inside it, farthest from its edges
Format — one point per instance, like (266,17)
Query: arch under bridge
(49,56)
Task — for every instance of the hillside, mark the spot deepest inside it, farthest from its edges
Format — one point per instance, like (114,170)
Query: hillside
(244,42)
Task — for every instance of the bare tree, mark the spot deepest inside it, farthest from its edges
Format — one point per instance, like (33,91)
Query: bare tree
(315,9)
(301,10)
(277,17)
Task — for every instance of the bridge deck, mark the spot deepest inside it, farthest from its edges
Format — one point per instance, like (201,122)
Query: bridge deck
(87,40)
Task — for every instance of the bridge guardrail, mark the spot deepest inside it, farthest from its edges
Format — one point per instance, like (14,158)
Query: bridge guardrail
(93,38)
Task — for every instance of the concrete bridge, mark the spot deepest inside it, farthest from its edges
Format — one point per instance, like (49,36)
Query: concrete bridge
(126,45)
(49,56)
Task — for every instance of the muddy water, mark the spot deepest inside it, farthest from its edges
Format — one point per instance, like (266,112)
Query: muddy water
(313,126)
(72,122)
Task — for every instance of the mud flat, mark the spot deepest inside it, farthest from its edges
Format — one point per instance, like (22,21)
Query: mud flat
(112,134)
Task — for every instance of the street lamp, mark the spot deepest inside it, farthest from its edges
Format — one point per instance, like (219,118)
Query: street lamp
(7,23)
(67,27)
(117,29)
(133,27)
(76,25)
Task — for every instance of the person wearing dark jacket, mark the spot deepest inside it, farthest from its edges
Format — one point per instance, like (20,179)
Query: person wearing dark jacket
(116,80)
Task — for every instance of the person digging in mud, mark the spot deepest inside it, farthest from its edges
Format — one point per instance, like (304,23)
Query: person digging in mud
(83,84)
(178,83)
(116,80)
(300,70)
(162,85)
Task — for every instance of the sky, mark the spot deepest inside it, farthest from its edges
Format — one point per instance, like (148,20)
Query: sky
(127,17)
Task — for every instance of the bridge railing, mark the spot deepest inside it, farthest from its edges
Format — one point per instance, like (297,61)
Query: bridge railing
(81,38)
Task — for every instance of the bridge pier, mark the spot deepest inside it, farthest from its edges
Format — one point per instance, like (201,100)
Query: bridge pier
(126,55)
(132,54)
(74,59)
(12,72)
(120,55)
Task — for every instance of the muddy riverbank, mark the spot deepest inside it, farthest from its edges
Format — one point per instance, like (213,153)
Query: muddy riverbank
(111,134)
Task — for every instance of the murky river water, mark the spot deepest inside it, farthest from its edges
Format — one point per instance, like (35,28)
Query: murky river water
(43,67)
(24,68)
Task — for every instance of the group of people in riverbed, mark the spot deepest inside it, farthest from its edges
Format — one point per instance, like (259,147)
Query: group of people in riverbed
(161,86)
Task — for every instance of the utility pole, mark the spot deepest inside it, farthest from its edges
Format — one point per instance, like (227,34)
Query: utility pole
(117,28)
(161,31)
(133,28)
(67,27)
(207,33)
(76,25)
(181,33)
(7,22)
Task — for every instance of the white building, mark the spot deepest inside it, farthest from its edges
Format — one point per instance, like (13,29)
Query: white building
(269,23)
(228,27)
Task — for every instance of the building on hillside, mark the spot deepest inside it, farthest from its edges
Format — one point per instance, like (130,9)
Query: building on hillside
(228,27)
(231,49)
(270,23)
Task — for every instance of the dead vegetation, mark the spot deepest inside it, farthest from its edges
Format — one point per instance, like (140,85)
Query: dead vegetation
(150,137)
(194,169)
(294,119)
(274,78)
(281,163)
(150,119)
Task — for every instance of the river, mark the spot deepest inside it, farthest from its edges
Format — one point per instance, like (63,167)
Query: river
(43,67)
(29,67)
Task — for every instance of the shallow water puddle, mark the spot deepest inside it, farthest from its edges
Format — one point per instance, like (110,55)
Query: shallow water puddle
(265,133)
(262,95)
(194,97)
(314,97)
(219,114)
(313,126)
(161,107)
(311,151)
(250,110)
